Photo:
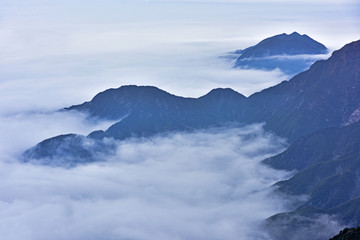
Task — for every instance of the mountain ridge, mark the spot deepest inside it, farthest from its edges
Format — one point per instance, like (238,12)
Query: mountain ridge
(291,109)
(328,173)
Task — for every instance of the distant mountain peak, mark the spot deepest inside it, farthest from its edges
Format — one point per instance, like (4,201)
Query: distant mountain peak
(268,54)
(223,92)
(115,103)
(295,34)
(132,90)
(285,44)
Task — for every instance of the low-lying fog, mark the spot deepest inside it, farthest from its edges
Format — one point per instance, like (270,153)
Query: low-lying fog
(202,185)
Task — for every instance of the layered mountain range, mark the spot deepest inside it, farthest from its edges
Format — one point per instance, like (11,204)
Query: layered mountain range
(291,53)
(318,111)
(326,95)
(348,234)
(328,174)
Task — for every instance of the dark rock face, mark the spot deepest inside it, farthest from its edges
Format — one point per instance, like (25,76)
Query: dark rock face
(348,234)
(275,52)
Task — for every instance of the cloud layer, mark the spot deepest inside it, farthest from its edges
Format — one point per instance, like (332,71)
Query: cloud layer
(203,185)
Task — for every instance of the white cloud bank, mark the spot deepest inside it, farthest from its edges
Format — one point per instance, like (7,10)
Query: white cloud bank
(204,185)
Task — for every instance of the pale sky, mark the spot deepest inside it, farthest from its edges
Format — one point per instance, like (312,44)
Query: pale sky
(67,51)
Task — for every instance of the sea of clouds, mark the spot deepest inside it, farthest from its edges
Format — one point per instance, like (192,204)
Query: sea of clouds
(203,185)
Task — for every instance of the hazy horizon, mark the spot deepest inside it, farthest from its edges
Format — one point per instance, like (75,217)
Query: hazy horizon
(68,51)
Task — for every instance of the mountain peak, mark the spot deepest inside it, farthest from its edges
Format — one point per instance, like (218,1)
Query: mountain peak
(285,44)
(295,34)
(222,91)
(278,46)
(133,89)
(223,94)
(115,103)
